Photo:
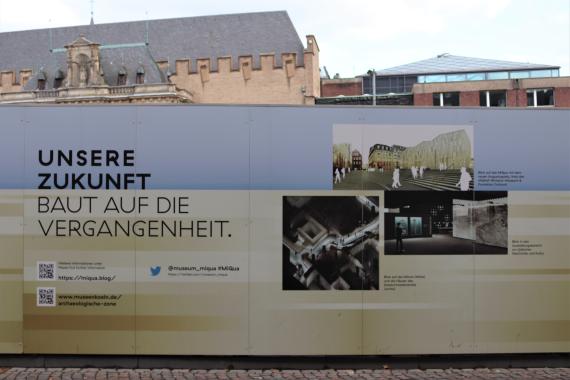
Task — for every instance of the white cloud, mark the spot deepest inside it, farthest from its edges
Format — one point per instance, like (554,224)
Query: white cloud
(353,35)
(17,15)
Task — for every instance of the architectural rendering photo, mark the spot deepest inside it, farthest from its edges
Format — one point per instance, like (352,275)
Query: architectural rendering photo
(386,157)
(446,223)
(330,243)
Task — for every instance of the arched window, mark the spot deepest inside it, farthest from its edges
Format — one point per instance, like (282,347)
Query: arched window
(58,79)
(122,77)
(41,80)
(140,75)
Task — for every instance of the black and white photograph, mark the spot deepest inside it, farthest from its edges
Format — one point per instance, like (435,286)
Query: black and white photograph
(331,242)
(446,223)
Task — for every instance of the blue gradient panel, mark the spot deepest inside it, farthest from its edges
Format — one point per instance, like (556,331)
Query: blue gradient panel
(202,149)
(263,147)
(289,154)
(538,147)
(12,148)
(76,128)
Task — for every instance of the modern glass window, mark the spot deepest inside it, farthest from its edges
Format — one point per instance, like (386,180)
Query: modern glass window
(415,226)
(493,98)
(476,76)
(437,102)
(542,97)
(498,75)
(456,77)
(396,84)
(555,73)
(540,73)
(520,74)
(421,79)
(435,78)
(447,99)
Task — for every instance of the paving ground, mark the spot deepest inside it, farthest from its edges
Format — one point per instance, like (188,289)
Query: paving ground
(127,374)
(432,180)
(442,244)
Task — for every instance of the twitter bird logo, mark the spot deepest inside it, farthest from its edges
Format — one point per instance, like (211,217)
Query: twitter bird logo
(154,271)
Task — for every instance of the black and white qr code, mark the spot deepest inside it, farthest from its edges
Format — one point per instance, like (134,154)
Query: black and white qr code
(45,297)
(46,270)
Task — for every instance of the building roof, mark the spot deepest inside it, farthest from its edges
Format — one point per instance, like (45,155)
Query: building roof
(167,39)
(127,59)
(447,63)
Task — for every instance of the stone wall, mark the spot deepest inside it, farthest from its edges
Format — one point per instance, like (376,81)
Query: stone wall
(269,84)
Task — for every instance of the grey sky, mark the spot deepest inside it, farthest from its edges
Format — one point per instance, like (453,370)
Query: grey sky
(361,137)
(356,35)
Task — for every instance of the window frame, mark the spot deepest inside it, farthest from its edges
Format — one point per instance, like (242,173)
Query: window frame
(534,91)
(441,96)
(488,98)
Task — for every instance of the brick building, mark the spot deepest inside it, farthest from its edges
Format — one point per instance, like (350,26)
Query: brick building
(340,86)
(356,160)
(449,80)
(254,58)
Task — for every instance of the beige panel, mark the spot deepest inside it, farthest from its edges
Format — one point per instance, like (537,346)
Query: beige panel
(192,307)
(459,304)
(95,303)
(11,270)
(295,322)
(78,341)
(522,302)
(396,321)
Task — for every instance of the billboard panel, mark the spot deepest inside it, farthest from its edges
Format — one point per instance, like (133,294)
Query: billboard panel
(217,230)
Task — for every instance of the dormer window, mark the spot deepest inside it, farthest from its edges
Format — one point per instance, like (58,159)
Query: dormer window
(41,81)
(58,79)
(140,75)
(122,77)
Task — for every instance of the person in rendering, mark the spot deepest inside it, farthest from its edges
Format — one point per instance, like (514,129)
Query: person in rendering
(336,176)
(399,241)
(396,179)
(421,172)
(343,171)
(464,180)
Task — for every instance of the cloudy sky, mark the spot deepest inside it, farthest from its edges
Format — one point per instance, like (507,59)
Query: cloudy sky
(355,36)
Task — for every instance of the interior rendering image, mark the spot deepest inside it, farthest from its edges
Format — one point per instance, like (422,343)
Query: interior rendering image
(330,243)
(446,223)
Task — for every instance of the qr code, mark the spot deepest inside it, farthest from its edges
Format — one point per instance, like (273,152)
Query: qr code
(45,297)
(46,270)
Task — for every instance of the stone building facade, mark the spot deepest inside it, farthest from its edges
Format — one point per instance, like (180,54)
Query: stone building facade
(253,58)
(356,160)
